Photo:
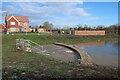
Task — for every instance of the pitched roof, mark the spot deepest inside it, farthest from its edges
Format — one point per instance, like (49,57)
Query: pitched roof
(19,18)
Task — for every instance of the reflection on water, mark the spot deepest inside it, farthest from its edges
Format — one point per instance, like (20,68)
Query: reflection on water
(102,52)
(97,43)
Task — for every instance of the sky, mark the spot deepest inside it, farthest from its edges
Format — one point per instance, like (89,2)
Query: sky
(62,14)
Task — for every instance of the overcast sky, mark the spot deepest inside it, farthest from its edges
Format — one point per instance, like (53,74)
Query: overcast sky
(64,13)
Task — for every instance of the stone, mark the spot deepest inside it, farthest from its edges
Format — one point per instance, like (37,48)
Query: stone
(85,59)
(23,73)
(69,71)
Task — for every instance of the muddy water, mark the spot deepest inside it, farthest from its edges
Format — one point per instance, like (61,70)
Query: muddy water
(102,52)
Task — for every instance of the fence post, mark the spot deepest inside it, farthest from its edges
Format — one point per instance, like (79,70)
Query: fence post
(23,44)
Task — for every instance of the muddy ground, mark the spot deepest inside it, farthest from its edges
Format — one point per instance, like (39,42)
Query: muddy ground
(59,52)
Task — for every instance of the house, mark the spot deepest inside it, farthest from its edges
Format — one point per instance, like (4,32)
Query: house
(16,23)
(2,27)
(41,30)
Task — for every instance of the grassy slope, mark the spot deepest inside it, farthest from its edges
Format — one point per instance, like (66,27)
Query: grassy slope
(69,39)
(16,63)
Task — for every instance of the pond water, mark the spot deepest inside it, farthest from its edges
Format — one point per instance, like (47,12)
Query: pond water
(102,52)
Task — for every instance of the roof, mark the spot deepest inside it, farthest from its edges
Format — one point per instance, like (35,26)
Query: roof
(19,18)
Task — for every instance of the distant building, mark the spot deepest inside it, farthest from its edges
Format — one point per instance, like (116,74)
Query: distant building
(16,23)
(2,27)
(56,31)
(32,30)
(41,30)
(110,32)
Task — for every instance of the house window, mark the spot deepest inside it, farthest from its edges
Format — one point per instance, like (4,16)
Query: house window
(25,29)
(25,23)
(12,23)
(12,29)
(41,30)
(18,23)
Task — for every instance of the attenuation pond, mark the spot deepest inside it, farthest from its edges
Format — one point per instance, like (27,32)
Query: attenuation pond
(102,52)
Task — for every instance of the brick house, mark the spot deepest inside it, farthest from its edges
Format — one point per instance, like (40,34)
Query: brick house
(16,23)
(2,27)
(41,30)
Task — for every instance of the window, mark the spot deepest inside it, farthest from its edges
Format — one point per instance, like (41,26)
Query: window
(41,30)
(12,29)
(18,23)
(25,29)
(12,23)
(25,23)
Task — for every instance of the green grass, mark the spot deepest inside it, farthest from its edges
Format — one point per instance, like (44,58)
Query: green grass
(69,39)
(34,65)
(29,33)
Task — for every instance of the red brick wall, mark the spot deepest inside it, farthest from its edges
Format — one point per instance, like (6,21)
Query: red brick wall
(16,30)
(16,26)
(24,26)
(89,32)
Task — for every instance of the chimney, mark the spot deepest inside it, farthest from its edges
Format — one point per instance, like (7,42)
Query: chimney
(7,14)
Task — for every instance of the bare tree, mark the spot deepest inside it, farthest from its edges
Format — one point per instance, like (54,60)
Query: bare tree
(75,28)
(114,27)
(66,28)
(100,27)
(40,26)
(85,27)
(48,26)
(79,27)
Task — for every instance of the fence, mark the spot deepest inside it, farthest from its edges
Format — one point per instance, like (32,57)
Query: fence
(27,45)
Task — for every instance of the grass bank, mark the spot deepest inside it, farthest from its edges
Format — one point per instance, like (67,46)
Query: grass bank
(29,33)
(21,65)
(68,39)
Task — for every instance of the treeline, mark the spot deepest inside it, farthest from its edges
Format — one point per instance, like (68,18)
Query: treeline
(49,27)
(99,27)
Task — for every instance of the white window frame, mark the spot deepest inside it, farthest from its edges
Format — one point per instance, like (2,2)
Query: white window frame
(12,23)
(12,29)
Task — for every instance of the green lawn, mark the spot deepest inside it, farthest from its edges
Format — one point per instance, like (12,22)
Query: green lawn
(21,65)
